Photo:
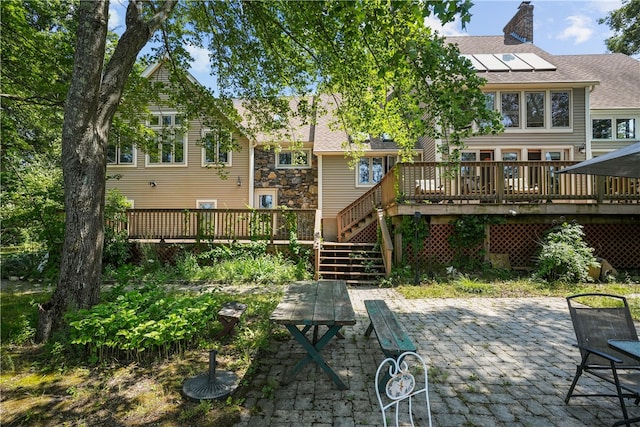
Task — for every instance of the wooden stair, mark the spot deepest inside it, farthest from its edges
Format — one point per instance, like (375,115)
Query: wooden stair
(357,227)
(355,263)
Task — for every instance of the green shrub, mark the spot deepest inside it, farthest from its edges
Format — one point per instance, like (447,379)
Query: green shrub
(24,265)
(232,251)
(266,269)
(564,256)
(149,321)
(117,249)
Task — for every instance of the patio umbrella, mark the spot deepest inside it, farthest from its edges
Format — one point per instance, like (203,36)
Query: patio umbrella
(623,162)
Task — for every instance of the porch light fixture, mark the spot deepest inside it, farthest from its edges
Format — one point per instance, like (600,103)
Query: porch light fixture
(239,182)
(152,183)
(581,148)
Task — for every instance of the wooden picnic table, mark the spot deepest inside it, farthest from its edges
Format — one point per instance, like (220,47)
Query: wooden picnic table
(311,304)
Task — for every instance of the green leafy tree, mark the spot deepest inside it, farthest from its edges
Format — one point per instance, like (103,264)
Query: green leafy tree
(36,52)
(382,70)
(625,23)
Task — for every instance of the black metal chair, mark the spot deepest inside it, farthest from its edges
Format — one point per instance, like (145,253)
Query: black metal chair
(594,327)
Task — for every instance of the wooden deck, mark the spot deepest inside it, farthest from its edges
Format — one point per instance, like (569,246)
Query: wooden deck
(191,225)
(499,188)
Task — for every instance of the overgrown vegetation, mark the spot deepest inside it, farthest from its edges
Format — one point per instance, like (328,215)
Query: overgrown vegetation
(117,250)
(143,324)
(466,239)
(225,264)
(564,255)
(144,333)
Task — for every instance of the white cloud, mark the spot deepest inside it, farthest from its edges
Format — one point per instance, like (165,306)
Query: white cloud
(580,29)
(200,57)
(605,6)
(449,29)
(115,20)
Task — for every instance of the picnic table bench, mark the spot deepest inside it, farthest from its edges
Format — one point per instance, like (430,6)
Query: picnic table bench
(392,337)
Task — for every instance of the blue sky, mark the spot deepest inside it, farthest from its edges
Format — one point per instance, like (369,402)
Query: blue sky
(560,27)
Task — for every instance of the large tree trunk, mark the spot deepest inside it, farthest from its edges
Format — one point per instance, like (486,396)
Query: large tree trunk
(91,104)
(83,166)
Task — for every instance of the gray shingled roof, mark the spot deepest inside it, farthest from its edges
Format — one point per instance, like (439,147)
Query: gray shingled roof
(616,78)
(619,77)
(328,140)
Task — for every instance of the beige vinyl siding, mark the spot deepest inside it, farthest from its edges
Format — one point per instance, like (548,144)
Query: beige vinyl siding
(181,186)
(338,185)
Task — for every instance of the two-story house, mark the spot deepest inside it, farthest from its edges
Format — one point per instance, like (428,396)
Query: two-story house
(556,109)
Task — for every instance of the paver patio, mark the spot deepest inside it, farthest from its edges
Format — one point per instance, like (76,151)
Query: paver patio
(493,362)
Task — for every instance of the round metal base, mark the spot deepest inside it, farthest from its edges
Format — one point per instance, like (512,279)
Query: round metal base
(203,388)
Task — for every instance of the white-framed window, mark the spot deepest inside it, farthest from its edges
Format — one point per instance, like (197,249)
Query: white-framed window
(560,109)
(534,102)
(206,204)
(216,147)
(530,110)
(170,146)
(207,224)
(468,156)
(370,171)
(490,104)
(510,156)
(293,159)
(121,150)
(614,128)
(510,108)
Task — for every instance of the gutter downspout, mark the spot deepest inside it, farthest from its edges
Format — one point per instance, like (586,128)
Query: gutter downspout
(252,173)
(589,124)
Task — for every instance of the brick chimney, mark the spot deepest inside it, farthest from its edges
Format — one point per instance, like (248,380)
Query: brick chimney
(520,28)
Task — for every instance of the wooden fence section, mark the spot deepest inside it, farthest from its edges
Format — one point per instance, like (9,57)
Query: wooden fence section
(220,224)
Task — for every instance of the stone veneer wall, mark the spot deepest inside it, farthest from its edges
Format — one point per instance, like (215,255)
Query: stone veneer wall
(297,188)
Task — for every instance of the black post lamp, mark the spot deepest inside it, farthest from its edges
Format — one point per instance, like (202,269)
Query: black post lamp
(416,222)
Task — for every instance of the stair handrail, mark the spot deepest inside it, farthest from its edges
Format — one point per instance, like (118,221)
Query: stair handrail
(317,242)
(386,244)
(359,208)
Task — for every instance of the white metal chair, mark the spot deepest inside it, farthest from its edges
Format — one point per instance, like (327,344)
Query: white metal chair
(399,380)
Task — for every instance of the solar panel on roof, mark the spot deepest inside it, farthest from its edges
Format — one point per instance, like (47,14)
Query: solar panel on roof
(509,62)
(535,61)
(476,64)
(491,63)
(513,62)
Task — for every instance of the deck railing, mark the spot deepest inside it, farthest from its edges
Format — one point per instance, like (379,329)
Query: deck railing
(505,182)
(487,182)
(220,224)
